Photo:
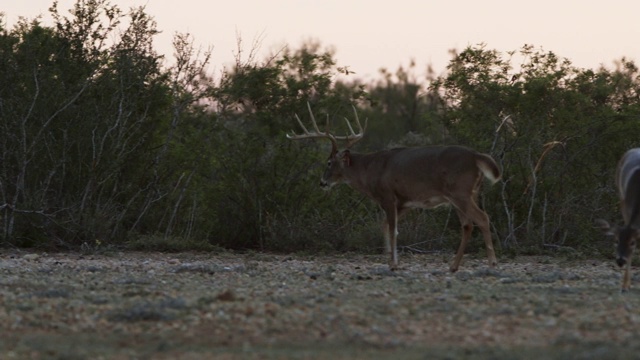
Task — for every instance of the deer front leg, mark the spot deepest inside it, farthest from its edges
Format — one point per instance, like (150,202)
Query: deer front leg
(387,238)
(389,228)
(626,277)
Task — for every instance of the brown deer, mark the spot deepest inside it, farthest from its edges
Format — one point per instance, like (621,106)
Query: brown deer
(405,178)
(628,184)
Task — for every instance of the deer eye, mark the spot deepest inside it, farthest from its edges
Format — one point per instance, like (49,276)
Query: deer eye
(329,163)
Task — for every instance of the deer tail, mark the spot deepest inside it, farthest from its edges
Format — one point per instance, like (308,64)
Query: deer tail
(489,167)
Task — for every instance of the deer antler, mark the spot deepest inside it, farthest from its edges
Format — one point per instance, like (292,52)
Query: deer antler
(316,134)
(351,138)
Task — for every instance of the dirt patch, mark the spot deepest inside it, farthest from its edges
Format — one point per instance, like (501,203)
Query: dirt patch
(194,306)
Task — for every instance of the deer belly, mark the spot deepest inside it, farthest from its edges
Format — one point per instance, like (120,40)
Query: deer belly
(429,203)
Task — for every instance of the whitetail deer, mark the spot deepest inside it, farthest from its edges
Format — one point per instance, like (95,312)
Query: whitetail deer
(628,184)
(405,178)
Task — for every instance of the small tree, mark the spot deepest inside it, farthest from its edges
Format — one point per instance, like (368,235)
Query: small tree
(80,119)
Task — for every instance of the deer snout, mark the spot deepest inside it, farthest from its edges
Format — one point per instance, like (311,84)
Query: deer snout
(621,261)
(326,184)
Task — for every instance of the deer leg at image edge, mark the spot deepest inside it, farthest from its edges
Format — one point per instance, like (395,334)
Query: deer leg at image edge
(626,277)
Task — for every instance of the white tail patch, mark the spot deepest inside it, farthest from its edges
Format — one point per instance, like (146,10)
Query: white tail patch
(487,171)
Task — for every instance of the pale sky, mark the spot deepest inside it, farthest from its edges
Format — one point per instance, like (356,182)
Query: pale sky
(368,35)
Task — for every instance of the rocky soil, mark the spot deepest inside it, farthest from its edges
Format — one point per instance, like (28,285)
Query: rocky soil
(261,306)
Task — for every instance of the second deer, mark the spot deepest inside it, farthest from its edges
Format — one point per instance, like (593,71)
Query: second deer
(628,185)
(406,178)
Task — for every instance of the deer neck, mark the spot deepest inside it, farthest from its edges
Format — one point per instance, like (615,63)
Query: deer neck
(631,201)
(357,174)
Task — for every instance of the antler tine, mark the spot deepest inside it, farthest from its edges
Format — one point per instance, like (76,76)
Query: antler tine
(349,125)
(353,137)
(362,130)
(313,120)
(328,127)
(301,125)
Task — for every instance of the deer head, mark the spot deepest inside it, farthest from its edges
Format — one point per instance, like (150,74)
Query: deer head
(626,237)
(339,161)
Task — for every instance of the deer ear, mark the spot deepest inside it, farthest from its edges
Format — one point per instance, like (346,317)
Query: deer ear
(346,158)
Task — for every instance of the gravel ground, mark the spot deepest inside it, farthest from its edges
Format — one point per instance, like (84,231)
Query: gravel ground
(262,306)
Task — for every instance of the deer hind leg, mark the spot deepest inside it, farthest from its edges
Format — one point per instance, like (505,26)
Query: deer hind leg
(469,213)
(481,219)
(467,228)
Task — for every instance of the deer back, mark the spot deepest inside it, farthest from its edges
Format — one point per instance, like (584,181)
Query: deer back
(421,175)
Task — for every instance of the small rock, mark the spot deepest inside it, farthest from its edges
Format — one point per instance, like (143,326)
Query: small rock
(31,257)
